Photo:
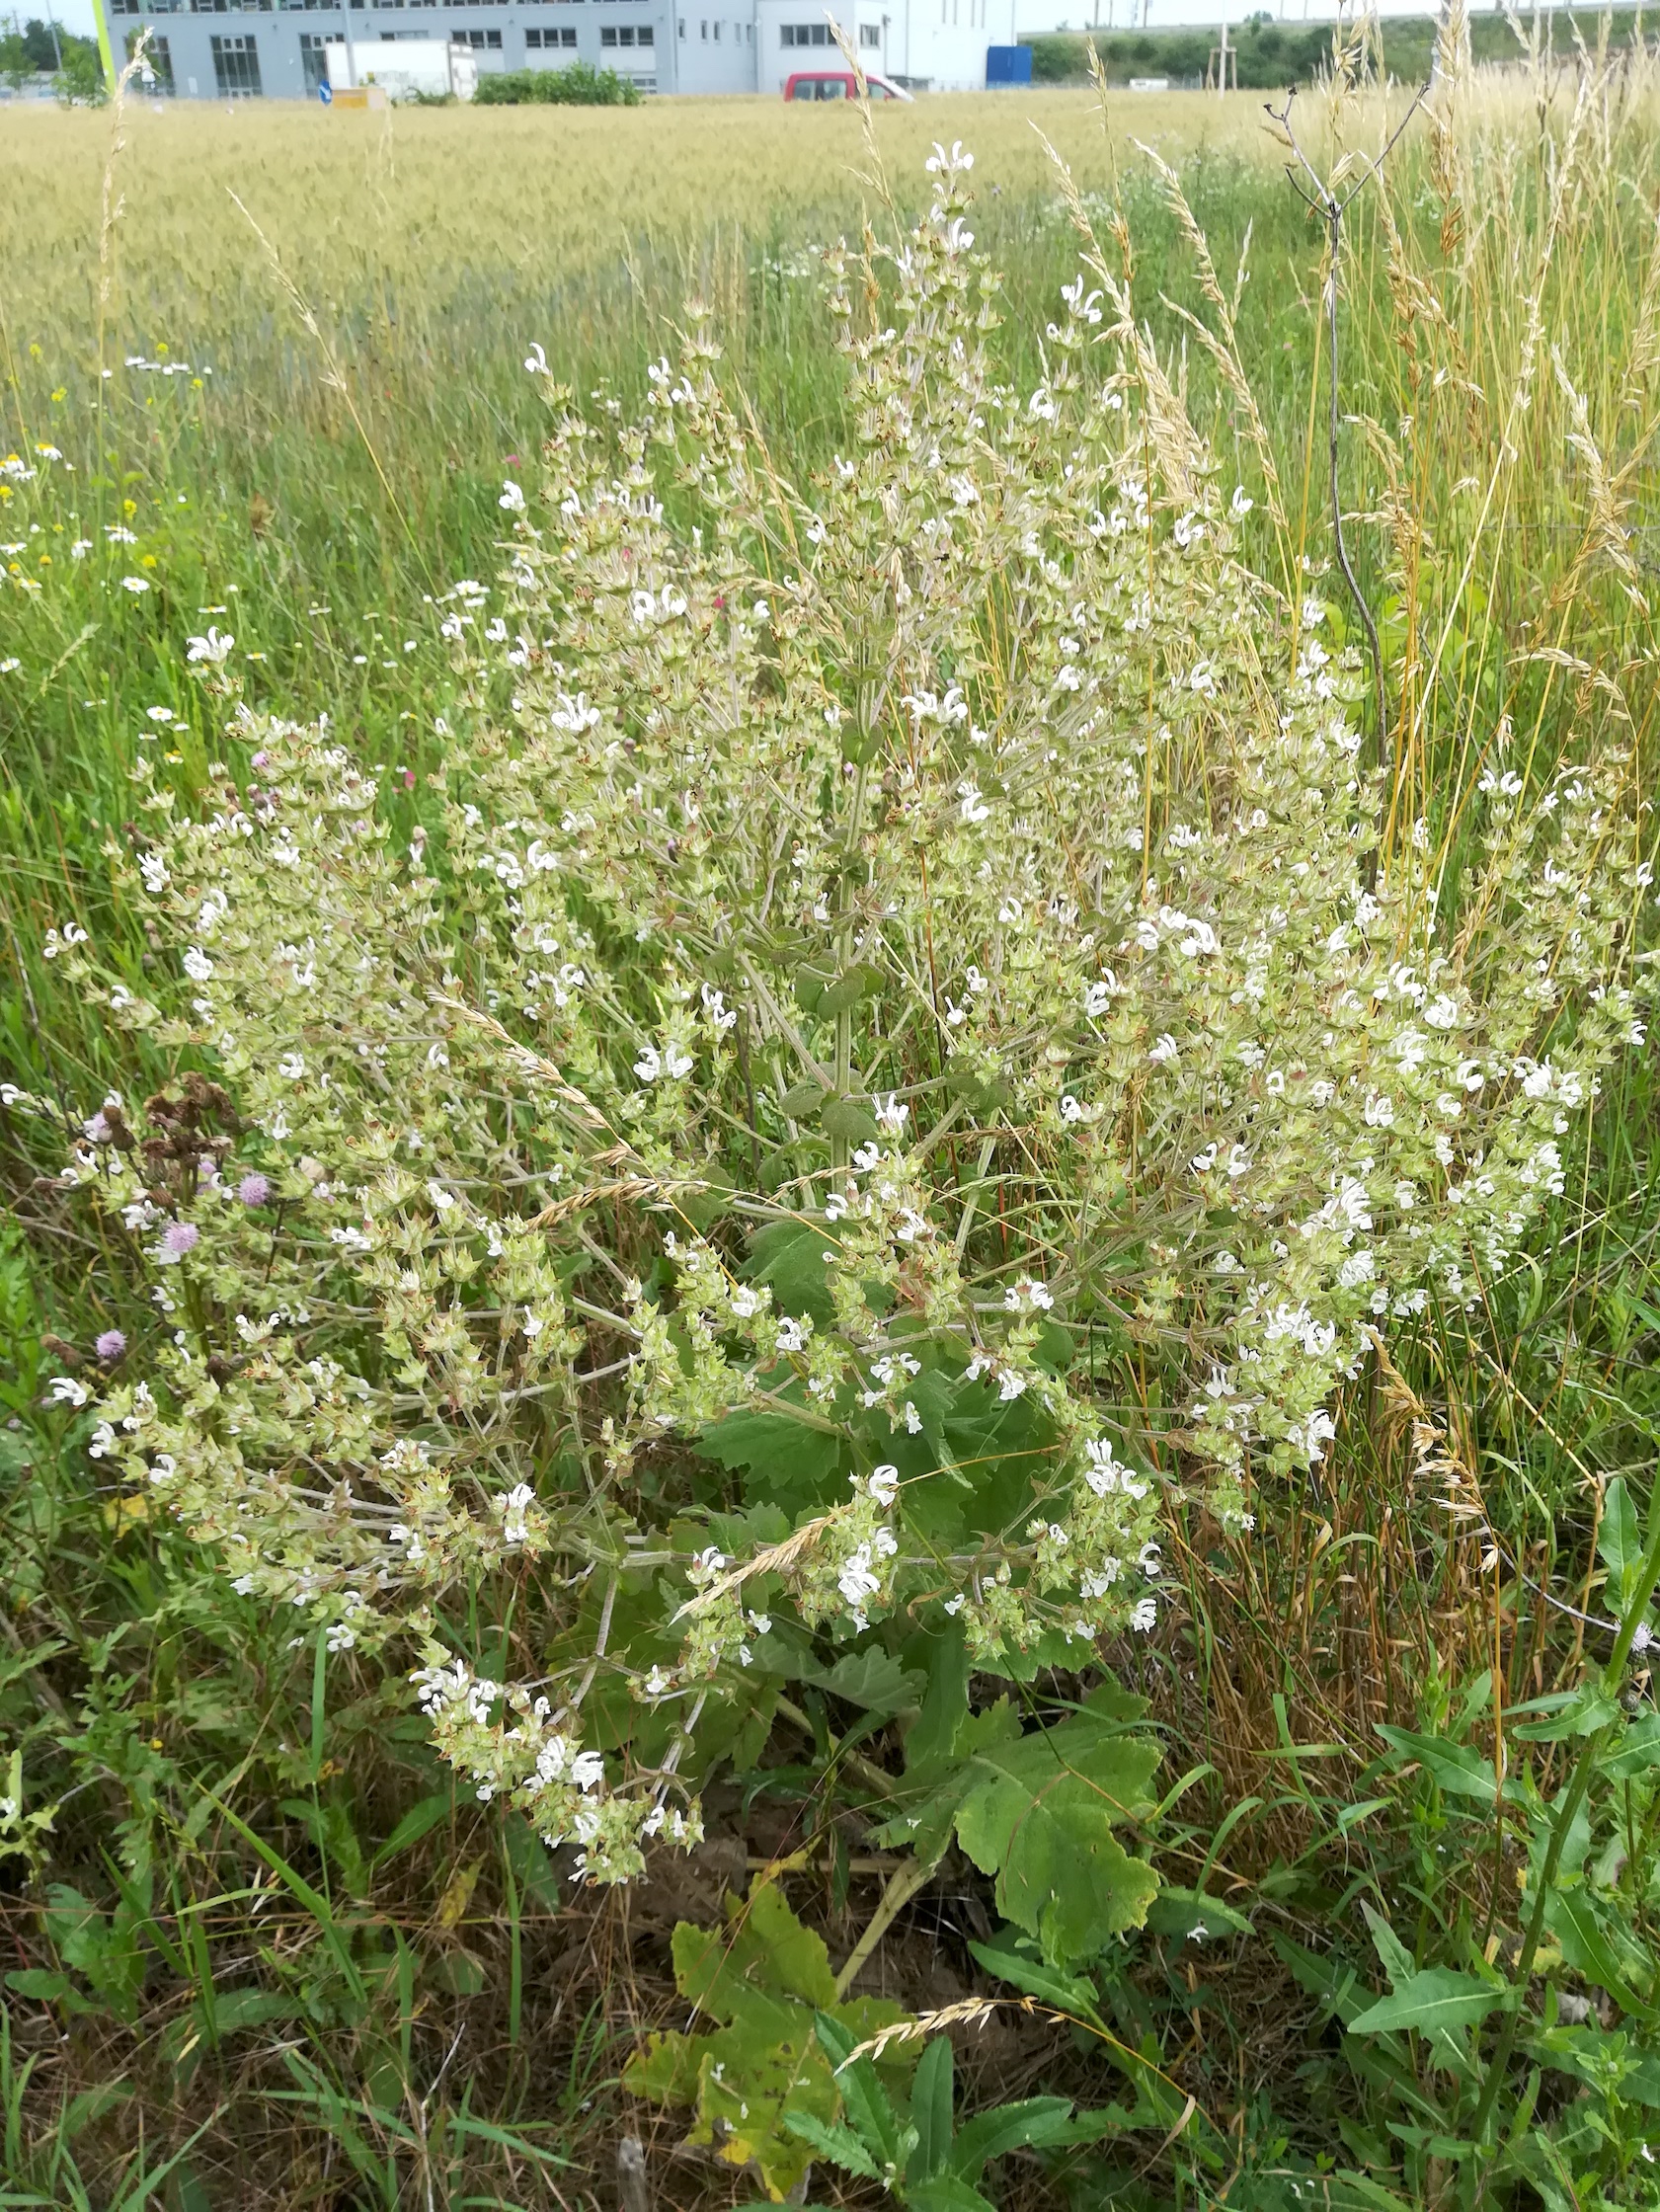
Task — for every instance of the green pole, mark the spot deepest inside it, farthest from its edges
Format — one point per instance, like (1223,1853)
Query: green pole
(104,54)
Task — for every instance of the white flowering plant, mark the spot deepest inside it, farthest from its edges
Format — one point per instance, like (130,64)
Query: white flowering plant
(909,1044)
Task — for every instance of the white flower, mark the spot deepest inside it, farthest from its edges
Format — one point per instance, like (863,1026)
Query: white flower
(196,964)
(135,585)
(649,1066)
(884,1484)
(216,646)
(536,361)
(856,1582)
(512,498)
(891,1115)
(66,1391)
(291,1068)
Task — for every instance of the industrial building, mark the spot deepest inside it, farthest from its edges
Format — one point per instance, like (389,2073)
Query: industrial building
(208,49)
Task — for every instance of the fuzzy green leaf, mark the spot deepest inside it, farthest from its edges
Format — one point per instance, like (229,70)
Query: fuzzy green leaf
(834,2142)
(1023,2127)
(1619,1542)
(763,1947)
(1437,1998)
(931,2110)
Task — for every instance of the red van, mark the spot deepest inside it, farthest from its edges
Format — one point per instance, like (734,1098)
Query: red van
(837,84)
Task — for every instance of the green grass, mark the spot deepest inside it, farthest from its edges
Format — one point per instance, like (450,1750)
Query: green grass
(357,1988)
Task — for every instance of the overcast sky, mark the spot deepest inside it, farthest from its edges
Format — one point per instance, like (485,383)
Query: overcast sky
(1035,15)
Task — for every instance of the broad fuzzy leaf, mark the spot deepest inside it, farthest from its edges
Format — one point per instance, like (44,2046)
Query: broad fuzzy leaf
(1433,2001)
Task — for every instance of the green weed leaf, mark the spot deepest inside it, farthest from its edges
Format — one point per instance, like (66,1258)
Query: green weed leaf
(1437,1998)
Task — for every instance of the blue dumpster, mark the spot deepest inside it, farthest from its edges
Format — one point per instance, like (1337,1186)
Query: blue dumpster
(1008,65)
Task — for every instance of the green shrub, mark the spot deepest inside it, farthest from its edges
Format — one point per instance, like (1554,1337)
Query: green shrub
(578,85)
(908,967)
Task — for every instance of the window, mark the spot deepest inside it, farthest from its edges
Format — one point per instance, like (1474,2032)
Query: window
(236,67)
(480,41)
(717,33)
(804,35)
(314,60)
(682,27)
(705,30)
(549,41)
(870,34)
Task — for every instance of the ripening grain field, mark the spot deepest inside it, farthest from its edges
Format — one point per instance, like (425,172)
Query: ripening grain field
(1148,1654)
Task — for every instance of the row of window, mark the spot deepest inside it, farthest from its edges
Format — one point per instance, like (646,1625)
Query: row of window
(546,41)
(331,7)
(818,33)
(236,67)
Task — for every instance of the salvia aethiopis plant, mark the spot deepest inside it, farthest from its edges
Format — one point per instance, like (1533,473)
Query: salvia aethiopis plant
(906,1049)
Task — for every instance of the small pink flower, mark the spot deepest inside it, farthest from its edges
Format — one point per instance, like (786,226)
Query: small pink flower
(253,1190)
(178,1239)
(111,1347)
(408,779)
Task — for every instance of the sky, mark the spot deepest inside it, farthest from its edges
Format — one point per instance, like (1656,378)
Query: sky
(1034,15)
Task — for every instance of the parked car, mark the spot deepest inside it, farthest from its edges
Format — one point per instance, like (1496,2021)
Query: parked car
(838,84)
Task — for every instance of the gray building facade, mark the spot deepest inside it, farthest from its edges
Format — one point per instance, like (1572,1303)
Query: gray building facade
(237,50)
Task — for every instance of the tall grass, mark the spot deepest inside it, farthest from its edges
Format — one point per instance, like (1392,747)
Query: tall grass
(375,1994)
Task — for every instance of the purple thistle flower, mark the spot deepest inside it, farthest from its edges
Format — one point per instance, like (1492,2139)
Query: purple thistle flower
(253,1190)
(178,1239)
(111,1347)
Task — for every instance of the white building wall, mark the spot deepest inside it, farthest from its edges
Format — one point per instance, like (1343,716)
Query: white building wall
(934,44)
(715,46)
(941,44)
(862,22)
